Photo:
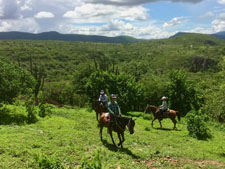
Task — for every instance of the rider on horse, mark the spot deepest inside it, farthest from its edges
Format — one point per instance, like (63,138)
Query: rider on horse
(114,110)
(163,107)
(103,98)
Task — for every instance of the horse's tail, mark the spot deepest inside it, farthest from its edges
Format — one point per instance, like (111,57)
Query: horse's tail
(178,115)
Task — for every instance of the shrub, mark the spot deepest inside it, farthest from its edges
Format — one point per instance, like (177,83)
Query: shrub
(44,110)
(48,162)
(197,125)
(94,163)
(31,112)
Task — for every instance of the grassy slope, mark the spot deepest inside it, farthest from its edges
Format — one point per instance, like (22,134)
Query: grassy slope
(72,134)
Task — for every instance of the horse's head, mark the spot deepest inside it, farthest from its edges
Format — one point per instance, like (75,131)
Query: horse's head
(130,125)
(150,108)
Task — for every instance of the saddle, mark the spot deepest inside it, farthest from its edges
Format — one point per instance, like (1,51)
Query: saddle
(166,113)
(107,118)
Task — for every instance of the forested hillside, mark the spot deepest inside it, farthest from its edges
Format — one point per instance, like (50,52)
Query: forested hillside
(75,72)
(47,91)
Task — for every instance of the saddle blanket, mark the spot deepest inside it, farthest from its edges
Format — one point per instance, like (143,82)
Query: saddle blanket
(107,117)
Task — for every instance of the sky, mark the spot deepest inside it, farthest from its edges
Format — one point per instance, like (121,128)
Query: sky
(145,19)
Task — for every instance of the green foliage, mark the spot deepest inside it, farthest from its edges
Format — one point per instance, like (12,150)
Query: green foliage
(31,111)
(154,87)
(94,163)
(14,81)
(49,162)
(197,125)
(44,110)
(10,115)
(182,93)
(128,92)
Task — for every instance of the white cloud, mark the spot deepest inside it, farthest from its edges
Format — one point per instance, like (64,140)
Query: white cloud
(101,13)
(27,5)
(221,1)
(208,15)
(174,22)
(115,25)
(222,16)
(25,25)
(118,27)
(218,25)
(44,14)
(201,30)
(4,26)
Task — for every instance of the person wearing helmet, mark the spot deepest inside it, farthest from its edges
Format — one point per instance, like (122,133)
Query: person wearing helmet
(103,98)
(114,110)
(163,107)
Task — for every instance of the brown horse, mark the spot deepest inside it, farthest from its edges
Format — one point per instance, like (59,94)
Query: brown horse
(158,115)
(99,108)
(119,128)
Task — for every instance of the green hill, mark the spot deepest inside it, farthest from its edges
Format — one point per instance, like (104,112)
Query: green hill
(63,58)
(65,37)
(70,137)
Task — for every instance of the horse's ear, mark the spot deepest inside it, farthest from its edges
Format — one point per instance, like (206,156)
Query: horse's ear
(134,119)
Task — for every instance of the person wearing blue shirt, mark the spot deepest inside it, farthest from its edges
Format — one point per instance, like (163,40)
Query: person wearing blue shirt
(114,110)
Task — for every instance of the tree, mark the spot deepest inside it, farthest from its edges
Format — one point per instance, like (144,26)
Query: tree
(183,94)
(124,86)
(14,81)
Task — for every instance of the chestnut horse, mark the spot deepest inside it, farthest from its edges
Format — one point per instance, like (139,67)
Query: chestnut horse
(119,128)
(99,108)
(158,115)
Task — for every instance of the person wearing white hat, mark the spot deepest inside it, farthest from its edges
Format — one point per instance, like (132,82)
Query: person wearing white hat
(163,107)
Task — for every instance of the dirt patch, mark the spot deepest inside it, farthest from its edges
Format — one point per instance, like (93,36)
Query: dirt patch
(210,162)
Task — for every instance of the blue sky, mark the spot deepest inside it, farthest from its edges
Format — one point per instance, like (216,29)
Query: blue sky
(149,19)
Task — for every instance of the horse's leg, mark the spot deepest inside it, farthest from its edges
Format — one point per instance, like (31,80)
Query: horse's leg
(120,143)
(153,121)
(100,132)
(174,122)
(122,139)
(160,123)
(112,138)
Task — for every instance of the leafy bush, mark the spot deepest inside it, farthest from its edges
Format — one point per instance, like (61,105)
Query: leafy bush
(44,110)
(94,163)
(47,162)
(31,112)
(197,125)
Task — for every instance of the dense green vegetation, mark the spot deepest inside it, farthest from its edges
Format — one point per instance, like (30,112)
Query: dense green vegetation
(188,69)
(71,70)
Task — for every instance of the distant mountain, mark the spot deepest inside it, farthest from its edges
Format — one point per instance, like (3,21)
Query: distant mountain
(220,35)
(66,37)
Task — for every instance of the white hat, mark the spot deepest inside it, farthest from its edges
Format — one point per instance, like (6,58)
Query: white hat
(164,98)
